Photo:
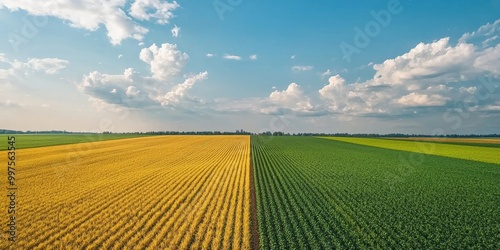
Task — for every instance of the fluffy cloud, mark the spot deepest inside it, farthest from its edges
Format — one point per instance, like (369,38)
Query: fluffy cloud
(91,14)
(292,98)
(17,68)
(487,33)
(121,90)
(253,57)
(165,61)
(291,101)
(334,92)
(163,11)
(135,91)
(175,31)
(178,93)
(48,65)
(434,62)
(430,75)
(422,100)
(489,60)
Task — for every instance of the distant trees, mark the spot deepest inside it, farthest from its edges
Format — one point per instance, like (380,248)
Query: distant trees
(243,132)
(237,132)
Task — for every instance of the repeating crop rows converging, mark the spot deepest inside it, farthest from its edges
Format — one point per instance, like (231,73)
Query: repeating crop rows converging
(318,194)
(163,192)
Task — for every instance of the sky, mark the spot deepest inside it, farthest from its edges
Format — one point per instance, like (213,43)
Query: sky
(382,66)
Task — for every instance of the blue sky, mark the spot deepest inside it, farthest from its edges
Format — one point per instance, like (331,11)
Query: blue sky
(294,66)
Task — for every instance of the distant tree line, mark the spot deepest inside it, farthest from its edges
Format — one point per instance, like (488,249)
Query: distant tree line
(242,132)
(393,135)
(237,132)
(6,131)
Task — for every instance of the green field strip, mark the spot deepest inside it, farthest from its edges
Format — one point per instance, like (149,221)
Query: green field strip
(322,194)
(474,153)
(24,141)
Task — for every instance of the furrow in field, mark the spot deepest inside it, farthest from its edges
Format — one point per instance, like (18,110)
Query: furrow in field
(194,219)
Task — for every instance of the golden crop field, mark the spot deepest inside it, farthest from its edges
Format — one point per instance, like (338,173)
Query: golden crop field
(164,192)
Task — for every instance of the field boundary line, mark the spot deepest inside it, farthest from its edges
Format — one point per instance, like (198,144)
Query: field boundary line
(254,218)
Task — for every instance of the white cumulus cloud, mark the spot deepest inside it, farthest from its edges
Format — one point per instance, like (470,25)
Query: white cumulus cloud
(422,100)
(120,90)
(292,98)
(165,61)
(48,65)
(131,90)
(162,11)
(91,14)
(178,92)
(434,62)
(17,68)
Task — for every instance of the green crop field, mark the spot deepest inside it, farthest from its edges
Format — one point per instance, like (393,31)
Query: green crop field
(314,193)
(43,140)
(466,152)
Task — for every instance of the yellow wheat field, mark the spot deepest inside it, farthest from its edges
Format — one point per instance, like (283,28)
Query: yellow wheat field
(165,192)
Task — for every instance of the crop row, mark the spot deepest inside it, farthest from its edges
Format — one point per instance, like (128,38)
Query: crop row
(320,194)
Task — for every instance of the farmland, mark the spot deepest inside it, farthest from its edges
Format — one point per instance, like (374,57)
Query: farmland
(163,192)
(43,140)
(317,194)
(199,192)
(466,152)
